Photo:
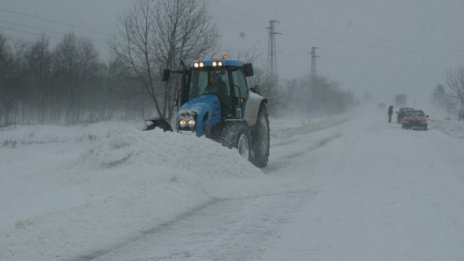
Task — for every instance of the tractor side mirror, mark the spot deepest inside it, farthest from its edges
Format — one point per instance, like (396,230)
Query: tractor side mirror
(166,75)
(248,69)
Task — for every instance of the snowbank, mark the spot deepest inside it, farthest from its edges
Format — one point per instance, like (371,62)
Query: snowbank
(65,190)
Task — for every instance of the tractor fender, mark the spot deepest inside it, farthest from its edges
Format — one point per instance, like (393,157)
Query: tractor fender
(252,107)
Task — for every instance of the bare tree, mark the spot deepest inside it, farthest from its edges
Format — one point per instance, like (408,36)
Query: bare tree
(75,66)
(6,64)
(12,84)
(137,29)
(21,92)
(442,99)
(157,35)
(121,87)
(455,82)
(38,64)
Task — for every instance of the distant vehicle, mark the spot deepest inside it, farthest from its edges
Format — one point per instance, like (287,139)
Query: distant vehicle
(400,100)
(414,119)
(401,112)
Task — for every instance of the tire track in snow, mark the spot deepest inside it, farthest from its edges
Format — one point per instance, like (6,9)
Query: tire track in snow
(95,254)
(233,229)
(292,143)
(296,149)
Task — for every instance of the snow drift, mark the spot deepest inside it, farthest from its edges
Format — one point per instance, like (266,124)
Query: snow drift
(76,187)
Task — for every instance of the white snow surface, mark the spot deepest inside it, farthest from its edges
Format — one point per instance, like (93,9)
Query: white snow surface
(360,189)
(67,190)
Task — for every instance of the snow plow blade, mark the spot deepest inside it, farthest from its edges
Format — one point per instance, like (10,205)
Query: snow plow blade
(158,123)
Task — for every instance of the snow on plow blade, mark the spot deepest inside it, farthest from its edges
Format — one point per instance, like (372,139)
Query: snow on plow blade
(158,123)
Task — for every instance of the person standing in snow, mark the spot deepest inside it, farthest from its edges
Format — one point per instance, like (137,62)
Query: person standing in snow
(390,112)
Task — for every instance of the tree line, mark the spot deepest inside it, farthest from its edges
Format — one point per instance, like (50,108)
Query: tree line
(316,95)
(450,96)
(65,84)
(69,83)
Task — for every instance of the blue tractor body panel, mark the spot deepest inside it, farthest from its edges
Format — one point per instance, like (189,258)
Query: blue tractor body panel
(205,109)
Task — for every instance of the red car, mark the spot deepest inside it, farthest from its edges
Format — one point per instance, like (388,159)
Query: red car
(400,114)
(414,119)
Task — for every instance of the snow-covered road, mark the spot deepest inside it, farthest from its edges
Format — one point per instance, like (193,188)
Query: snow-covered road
(234,229)
(380,193)
(342,188)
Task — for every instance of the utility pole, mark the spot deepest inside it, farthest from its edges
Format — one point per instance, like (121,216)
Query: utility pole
(272,50)
(313,63)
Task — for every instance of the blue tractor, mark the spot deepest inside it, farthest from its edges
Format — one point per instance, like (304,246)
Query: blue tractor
(215,101)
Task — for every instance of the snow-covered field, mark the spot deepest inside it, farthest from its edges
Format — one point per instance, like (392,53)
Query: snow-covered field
(345,187)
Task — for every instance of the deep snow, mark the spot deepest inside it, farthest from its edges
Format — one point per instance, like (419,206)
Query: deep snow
(377,192)
(69,190)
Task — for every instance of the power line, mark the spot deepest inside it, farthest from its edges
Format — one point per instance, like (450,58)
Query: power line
(53,21)
(2,27)
(254,15)
(397,48)
(311,36)
(43,30)
(25,32)
(34,27)
(382,40)
(229,20)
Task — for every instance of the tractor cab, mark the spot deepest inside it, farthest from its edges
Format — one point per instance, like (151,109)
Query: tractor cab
(225,79)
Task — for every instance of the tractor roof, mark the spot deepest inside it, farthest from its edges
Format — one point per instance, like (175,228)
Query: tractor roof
(225,63)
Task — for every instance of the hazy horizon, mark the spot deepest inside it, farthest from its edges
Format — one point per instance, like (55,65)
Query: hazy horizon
(379,47)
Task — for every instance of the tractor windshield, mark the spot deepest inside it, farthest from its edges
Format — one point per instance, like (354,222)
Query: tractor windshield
(211,81)
(208,82)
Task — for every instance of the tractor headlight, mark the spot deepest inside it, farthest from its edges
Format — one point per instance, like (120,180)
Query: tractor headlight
(187,120)
(191,123)
(183,123)
(217,63)
(198,65)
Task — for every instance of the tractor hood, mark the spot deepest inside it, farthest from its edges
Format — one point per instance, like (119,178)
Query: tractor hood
(205,110)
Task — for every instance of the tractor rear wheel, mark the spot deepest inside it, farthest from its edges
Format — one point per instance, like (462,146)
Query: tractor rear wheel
(236,135)
(260,136)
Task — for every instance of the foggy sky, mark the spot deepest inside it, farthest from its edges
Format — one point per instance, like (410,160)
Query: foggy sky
(380,46)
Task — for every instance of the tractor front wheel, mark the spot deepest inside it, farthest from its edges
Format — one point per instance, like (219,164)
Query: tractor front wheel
(236,135)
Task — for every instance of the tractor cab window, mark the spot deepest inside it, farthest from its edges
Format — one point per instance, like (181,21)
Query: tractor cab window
(240,88)
(240,85)
(212,81)
(198,82)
